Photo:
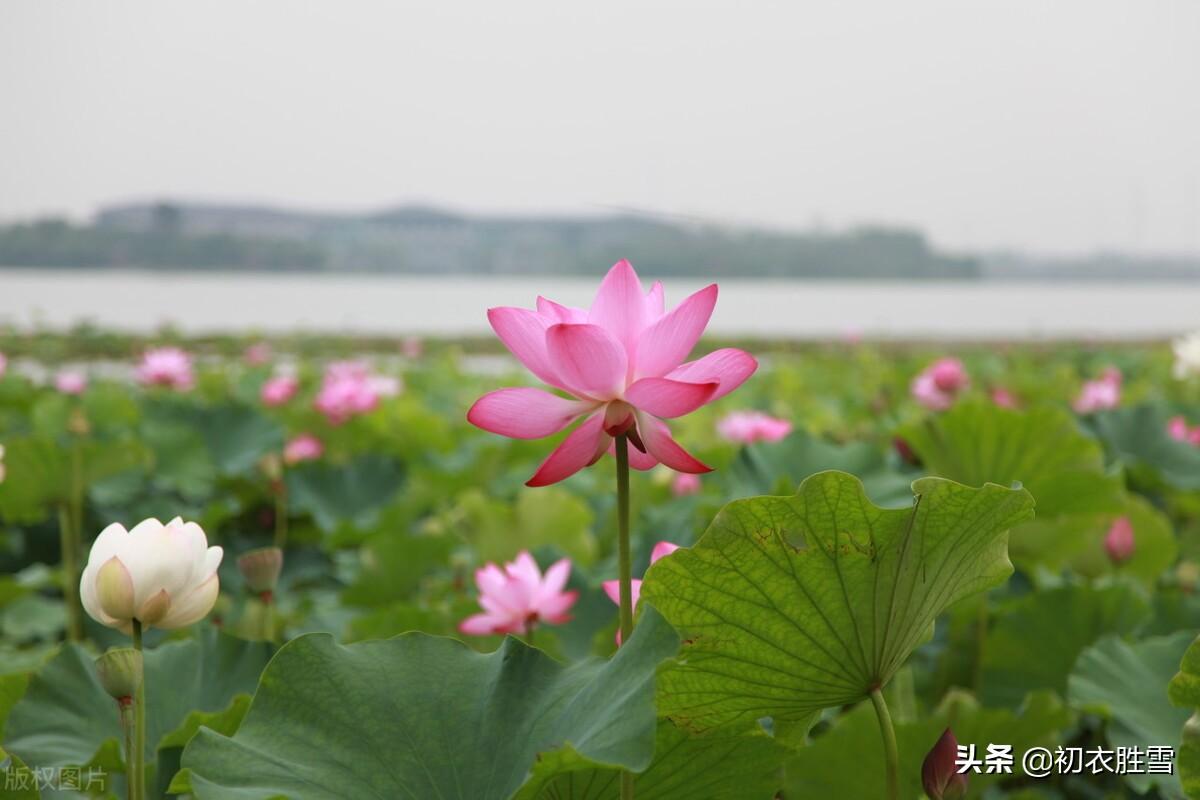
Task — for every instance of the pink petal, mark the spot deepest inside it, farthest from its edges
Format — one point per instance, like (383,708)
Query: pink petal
(524,334)
(655,307)
(662,549)
(663,397)
(554,608)
(556,312)
(556,577)
(613,590)
(482,625)
(588,359)
(657,438)
(490,580)
(728,366)
(524,413)
(619,307)
(573,454)
(666,343)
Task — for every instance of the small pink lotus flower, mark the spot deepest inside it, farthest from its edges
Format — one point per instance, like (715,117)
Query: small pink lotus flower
(1100,394)
(1119,542)
(613,588)
(937,386)
(347,390)
(518,597)
(747,427)
(1178,429)
(621,363)
(257,354)
(279,389)
(70,382)
(939,770)
(166,366)
(685,483)
(1004,398)
(304,447)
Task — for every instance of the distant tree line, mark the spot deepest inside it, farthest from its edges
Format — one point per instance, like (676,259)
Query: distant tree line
(425,241)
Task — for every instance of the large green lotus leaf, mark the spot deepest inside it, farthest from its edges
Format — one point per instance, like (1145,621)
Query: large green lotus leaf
(39,471)
(67,719)
(1076,541)
(1125,682)
(847,760)
(238,437)
(1042,449)
(723,765)
(354,493)
(761,468)
(1139,436)
(1184,691)
(1034,642)
(788,605)
(422,717)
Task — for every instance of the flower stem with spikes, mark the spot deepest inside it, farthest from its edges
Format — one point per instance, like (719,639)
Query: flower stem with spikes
(138,760)
(891,754)
(624,567)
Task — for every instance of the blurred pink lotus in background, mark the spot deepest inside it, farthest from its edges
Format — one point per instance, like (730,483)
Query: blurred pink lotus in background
(3,364)
(348,389)
(685,483)
(166,366)
(413,347)
(747,427)
(304,447)
(1004,398)
(70,382)
(517,597)
(1100,394)
(937,386)
(620,362)
(257,354)
(1118,543)
(1179,430)
(279,389)
(613,588)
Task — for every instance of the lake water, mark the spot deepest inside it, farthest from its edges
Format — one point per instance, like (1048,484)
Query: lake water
(139,301)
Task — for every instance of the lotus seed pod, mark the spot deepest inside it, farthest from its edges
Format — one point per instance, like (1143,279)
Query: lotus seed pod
(261,568)
(120,672)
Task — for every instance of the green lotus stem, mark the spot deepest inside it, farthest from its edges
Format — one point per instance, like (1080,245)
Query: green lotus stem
(624,567)
(68,543)
(890,753)
(127,729)
(139,737)
(281,515)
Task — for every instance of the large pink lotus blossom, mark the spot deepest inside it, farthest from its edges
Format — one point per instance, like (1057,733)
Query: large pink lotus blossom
(1100,394)
(279,389)
(937,386)
(70,382)
(621,362)
(1119,542)
(304,447)
(613,588)
(166,366)
(517,597)
(747,427)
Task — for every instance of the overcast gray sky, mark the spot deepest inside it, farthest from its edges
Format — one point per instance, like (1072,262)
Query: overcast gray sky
(1061,126)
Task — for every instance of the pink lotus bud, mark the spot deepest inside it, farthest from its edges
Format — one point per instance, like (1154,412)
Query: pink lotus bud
(161,575)
(949,375)
(1119,542)
(1177,429)
(939,772)
(905,451)
(278,390)
(260,568)
(684,483)
(304,447)
(70,382)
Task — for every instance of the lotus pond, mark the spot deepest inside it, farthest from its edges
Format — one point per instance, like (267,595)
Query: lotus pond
(1000,542)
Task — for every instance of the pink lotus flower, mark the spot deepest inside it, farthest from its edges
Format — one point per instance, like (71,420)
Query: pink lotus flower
(1178,429)
(257,354)
(1004,398)
(166,366)
(1118,543)
(518,597)
(939,770)
(937,386)
(279,389)
(304,447)
(620,362)
(613,588)
(1100,394)
(684,483)
(347,389)
(747,427)
(70,382)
